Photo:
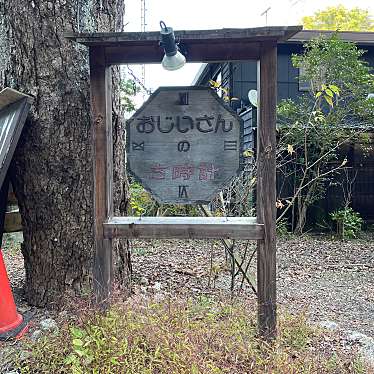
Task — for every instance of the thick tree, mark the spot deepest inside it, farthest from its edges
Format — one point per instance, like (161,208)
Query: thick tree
(339,18)
(52,169)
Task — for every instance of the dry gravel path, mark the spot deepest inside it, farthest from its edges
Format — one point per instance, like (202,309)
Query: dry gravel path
(326,279)
(330,280)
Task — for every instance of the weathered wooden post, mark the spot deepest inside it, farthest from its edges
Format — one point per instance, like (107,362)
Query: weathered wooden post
(266,189)
(101,108)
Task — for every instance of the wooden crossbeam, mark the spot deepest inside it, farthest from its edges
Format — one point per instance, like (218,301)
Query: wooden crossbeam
(183,228)
(196,45)
(230,35)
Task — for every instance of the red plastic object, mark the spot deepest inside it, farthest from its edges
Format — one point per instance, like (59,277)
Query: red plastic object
(12,324)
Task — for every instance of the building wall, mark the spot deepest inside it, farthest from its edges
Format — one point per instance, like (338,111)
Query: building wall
(240,77)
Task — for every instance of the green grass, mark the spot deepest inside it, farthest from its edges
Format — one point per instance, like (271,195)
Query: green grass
(182,337)
(140,251)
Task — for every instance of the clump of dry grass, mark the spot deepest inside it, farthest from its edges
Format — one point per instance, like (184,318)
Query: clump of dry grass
(176,336)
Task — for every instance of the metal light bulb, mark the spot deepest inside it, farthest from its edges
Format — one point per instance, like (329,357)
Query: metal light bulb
(173,59)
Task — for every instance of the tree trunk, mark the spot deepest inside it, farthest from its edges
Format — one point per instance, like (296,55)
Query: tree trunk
(303,203)
(52,169)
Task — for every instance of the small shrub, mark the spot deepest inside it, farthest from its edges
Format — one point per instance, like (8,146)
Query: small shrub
(283,229)
(348,223)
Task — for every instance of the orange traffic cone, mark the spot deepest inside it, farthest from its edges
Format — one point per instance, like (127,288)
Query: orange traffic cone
(12,324)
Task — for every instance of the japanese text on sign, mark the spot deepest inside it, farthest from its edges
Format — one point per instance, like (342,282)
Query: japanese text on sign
(184,145)
(203,172)
(183,124)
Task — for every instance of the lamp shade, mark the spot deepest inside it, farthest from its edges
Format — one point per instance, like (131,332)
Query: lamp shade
(174,62)
(173,59)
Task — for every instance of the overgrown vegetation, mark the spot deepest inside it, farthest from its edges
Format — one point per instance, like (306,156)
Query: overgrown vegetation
(313,129)
(142,204)
(315,134)
(180,337)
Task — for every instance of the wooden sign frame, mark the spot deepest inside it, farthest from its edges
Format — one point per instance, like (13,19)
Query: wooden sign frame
(147,139)
(106,49)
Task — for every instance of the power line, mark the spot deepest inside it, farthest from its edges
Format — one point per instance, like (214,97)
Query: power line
(143,27)
(294,2)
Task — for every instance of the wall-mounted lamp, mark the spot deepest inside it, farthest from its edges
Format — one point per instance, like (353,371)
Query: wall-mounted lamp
(173,59)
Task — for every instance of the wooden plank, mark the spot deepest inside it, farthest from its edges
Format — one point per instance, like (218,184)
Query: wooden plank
(194,52)
(229,35)
(183,228)
(266,190)
(197,45)
(184,152)
(101,125)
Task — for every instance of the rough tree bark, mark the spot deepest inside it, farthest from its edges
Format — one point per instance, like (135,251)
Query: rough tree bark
(52,168)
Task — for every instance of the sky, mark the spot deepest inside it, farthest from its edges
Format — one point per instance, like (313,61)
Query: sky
(216,14)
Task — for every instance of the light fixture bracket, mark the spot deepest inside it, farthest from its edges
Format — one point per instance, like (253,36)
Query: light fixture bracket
(173,59)
(168,40)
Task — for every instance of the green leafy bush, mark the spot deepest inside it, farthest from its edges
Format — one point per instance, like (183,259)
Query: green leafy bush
(283,228)
(348,222)
(141,202)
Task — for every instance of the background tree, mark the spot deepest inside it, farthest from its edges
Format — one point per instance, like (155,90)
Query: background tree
(52,169)
(339,18)
(313,130)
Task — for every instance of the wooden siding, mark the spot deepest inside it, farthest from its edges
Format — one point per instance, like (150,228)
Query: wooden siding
(240,77)
(249,124)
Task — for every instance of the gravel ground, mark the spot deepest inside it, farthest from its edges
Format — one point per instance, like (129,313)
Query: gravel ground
(332,282)
(326,279)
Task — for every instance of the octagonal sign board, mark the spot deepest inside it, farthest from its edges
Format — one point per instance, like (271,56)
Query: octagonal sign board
(184,145)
